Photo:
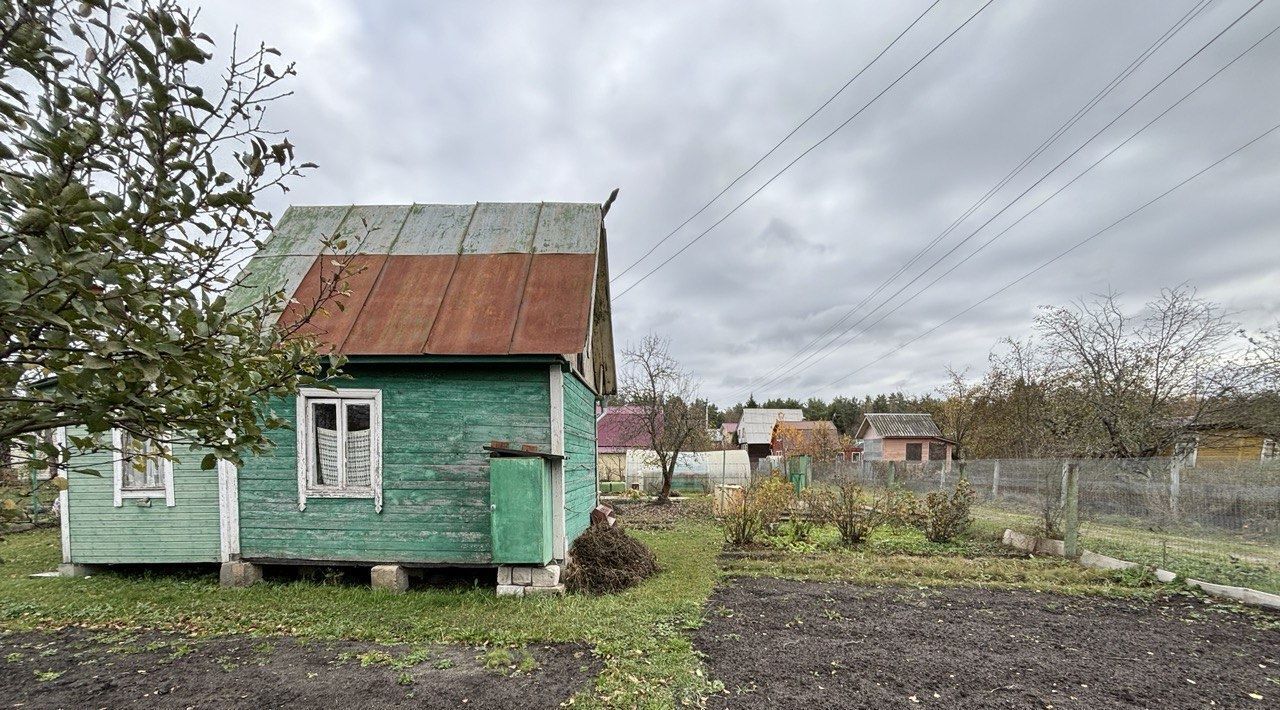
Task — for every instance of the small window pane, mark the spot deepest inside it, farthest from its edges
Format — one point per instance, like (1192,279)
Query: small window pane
(154,465)
(359,461)
(143,468)
(324,419)
(915,452)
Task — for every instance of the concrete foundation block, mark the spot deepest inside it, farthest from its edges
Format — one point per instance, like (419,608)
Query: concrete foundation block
(511,590)
(1164,575)
(392,578)
(1054,548)
(504,574)
(72,569)
(239,574)
(548,576)
(556,589)
(522,575)
(1096,561)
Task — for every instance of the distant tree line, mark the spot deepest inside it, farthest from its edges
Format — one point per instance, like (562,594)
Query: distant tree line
(1094,380)
(845,412)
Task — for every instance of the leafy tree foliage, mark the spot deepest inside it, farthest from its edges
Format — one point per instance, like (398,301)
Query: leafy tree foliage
(131,172)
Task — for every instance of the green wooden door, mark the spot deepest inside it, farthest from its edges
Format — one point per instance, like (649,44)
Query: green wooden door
(520,496)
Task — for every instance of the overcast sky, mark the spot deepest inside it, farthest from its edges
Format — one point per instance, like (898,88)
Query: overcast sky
(459,102)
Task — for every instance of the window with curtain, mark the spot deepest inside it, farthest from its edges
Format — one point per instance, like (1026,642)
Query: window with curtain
(339,432)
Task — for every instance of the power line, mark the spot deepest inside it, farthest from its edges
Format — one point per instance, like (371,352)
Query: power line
(1052,260)
(806,152)
(767,379)
(777,145)
(829,346)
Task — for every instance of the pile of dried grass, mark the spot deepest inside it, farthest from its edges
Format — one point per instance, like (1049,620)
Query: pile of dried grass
(606,559)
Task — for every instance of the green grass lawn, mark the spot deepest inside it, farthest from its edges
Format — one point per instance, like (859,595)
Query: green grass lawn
(640,635)
(1200,554)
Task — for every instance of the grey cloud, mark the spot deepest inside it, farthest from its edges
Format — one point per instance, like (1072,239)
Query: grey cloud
(444,102)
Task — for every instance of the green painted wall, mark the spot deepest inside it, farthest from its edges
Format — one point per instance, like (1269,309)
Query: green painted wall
(435,473)
(580,450)
(104,534)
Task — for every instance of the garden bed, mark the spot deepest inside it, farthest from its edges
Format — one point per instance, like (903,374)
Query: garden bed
(787,644)
(73,668)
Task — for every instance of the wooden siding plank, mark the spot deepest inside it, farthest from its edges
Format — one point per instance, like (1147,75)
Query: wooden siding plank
(100,533)
(436,419)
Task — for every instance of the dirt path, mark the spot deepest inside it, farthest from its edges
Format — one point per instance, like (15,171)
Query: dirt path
(782,644)
(76,669)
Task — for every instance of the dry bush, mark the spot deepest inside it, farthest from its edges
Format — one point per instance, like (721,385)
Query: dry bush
(947,516)
(851,510)
(901,507)
(606,559)
(758,509)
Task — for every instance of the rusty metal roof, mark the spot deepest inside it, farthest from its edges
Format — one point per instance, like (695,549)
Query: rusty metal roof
(483,279)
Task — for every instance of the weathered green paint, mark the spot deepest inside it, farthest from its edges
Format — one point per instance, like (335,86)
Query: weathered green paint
(520,489)
(798,468)
(580,453)
(134,534)
(436,419)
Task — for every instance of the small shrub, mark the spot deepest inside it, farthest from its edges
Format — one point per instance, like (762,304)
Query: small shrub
(757,510)
(606,559)
(947,516)
(902,508)
(849,509)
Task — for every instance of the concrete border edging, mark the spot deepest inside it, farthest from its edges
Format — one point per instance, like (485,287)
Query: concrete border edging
(1044,546)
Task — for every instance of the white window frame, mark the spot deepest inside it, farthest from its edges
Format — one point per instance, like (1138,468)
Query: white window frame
(120,459)
(307,487)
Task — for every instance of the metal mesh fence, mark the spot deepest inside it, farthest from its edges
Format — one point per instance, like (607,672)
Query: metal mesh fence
(1215,521)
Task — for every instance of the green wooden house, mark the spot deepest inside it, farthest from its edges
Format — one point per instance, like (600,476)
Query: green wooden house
(478,339)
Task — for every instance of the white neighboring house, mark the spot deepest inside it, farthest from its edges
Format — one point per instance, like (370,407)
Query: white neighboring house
(755,429)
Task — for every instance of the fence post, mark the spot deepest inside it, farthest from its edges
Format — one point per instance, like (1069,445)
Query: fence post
(995,480)
(893,472)
(1071,511)
(942,478)
(35,497)
(1062,491)
(1175,484)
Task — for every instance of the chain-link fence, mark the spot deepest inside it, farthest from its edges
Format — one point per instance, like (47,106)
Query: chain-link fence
(1218,521)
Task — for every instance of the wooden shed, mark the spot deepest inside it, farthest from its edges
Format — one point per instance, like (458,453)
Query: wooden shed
(478,340)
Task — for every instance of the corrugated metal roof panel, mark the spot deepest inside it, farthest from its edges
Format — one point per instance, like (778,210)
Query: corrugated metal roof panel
(265,275)
(902,425)
(556,307)
(433,229)
(501,228)
(372,229)
(479,310)
(333,322)
(400,310)
(756,425)
(302,230)
(488,279)
(568,228)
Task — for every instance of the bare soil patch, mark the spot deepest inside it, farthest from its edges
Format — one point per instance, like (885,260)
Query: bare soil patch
(645,515)
(785,644)
(75,668)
